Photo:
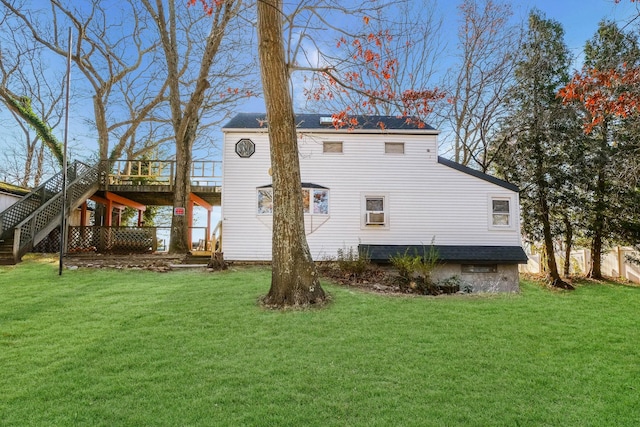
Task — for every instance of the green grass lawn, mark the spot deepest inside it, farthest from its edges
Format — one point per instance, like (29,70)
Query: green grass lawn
(138,348)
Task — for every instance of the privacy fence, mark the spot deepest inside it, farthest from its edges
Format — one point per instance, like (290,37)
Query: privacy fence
(615,263)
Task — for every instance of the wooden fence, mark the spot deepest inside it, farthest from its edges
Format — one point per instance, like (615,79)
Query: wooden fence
(615,263)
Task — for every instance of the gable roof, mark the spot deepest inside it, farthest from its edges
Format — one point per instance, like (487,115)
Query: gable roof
(478,174)
(313,122)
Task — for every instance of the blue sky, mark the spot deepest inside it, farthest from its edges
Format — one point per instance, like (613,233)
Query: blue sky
(579,18)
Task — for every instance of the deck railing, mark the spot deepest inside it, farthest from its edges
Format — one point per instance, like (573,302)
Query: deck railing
(162,172)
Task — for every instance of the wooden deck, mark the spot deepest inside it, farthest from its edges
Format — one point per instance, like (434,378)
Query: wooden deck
(150,182)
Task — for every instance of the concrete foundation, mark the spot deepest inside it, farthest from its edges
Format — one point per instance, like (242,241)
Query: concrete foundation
(505,278)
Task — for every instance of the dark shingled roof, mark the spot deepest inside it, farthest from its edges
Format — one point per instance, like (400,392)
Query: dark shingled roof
(312,121)
(456,254)
(303,185)
(478,174)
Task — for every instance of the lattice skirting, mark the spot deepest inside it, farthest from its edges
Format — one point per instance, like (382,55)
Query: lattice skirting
(112,239)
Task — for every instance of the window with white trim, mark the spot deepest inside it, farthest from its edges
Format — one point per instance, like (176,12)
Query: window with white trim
(265,201)
(500,211)
(375,210)
(315,200)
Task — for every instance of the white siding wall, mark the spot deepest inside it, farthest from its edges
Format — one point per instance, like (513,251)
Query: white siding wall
(7,199)
(426,200)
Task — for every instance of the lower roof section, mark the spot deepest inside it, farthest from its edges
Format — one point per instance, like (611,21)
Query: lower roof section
(457,254)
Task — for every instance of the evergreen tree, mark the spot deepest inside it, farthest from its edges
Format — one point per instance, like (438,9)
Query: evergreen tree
(542,127)
(612,154)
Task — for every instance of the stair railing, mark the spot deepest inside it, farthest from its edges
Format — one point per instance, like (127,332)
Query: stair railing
(20,210)
(38,224)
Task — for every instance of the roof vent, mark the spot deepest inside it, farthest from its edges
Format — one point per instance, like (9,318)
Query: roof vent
(326,121)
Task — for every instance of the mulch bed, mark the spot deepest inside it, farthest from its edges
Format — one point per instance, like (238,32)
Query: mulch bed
(152,262)
(377,279)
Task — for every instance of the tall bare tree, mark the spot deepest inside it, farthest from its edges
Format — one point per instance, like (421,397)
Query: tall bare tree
(481,79)
(110,46)
(33,98)
(194,79)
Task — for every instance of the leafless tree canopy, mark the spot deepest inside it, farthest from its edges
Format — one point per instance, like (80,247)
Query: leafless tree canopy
(118,70)
(24,77)
(479,83)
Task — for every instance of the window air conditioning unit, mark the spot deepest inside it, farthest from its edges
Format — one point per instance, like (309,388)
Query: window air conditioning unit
(375,218)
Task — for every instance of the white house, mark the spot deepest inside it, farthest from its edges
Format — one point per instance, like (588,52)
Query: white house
(9,194)
(381,189)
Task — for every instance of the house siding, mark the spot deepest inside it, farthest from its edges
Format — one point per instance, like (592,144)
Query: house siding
(8,199)
(427,201)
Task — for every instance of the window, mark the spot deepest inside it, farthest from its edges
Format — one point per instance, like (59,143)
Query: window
(321,202)
(502,210)
(375,210)
(314,200)
(265,201)
(394,147)
(245,148)
(479,268)
(500,213)
(332,147)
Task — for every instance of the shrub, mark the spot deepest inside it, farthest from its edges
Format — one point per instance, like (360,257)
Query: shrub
(452,285)
(418,267)
(405,264)
(352,262)
(425,266)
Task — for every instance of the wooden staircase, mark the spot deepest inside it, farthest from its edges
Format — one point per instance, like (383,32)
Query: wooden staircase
(33,217)
(6,251)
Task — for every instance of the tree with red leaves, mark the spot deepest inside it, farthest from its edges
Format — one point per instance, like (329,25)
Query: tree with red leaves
(608,89)
(605,93)
(379,67)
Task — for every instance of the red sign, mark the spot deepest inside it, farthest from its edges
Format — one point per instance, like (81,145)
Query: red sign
(178,211)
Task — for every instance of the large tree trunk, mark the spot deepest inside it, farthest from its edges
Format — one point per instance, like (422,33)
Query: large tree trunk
(100,213)
(545,219)
(554,277)
(568,233)
(179,241)
(600,206)
(598,224)
(294,279)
